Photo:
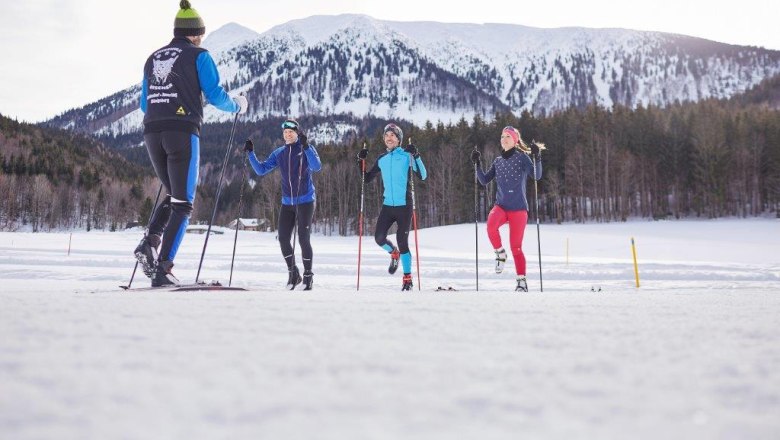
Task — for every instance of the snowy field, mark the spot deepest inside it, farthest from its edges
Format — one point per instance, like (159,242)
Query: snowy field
(694,353)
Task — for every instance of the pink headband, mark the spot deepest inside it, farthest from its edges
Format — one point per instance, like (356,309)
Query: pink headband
(512,132)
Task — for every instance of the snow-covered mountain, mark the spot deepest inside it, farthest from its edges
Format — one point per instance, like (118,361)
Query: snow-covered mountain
(427,71)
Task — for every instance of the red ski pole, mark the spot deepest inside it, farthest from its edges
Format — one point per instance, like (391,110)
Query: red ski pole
(414,218)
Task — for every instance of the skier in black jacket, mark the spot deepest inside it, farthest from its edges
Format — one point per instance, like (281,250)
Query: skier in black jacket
(174,78)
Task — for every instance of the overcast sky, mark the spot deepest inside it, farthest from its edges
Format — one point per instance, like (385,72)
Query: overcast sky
(61,54)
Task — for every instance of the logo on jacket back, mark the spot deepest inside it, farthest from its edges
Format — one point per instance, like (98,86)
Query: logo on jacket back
(162,63)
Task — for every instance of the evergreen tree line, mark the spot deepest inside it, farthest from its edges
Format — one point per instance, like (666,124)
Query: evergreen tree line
(54,179)
(706,160)
(709,159)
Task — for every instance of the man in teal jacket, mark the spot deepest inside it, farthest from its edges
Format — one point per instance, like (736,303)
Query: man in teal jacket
(394,165)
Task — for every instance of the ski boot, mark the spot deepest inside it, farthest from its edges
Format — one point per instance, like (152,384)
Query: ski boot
(294,278)
(308,280)
(522,286)
(146,254)
(500,260)
(163,276)
(407,282)
(395,255)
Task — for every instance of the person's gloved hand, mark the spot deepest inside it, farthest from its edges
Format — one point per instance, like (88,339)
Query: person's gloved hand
(363,154)
(411,149)
(476,157)
(304,141)
(249,146)
(535,152)
(242,103)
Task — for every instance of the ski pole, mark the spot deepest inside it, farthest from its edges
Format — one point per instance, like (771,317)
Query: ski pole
(295,200)
(238,216)
(216,198)
(538,236)
(360,216)
(476,222)
(156,200)
(294,197)
(414,218)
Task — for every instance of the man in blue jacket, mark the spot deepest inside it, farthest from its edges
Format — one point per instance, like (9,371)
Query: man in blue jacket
(395,165)
(174,78)
(296,160)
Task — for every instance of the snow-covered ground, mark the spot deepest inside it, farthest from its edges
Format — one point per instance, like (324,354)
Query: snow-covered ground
(694,353)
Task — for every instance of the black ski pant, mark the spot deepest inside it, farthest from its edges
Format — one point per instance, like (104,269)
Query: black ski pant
(402,216)
(175,156)
(288,215)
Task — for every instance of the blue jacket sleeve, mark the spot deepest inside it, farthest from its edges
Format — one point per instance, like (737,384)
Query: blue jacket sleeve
(539,169)
(313,158)
(529,167)
(485,178)
(265,167)
(419,166)
(209,83)
(144,86)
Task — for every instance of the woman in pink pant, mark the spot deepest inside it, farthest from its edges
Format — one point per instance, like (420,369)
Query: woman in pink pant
(510,170)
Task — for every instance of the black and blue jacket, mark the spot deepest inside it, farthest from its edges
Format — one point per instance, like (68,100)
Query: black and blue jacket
(296,166)
(174,77)
(511,170)
(394,167)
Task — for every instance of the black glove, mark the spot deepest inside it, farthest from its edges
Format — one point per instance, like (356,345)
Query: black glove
(249,146)
(411,149)
(304,141)
(534,150)
(476,156)
(363,154)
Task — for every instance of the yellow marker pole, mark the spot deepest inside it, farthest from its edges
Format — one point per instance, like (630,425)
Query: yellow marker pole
(636,268)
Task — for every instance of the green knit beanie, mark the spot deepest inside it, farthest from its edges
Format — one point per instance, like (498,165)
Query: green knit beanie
(188,22)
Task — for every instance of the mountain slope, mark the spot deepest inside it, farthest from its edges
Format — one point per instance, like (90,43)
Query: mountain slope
(420,71)
(61,156)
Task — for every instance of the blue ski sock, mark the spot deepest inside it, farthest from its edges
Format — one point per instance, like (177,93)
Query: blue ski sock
(406,262)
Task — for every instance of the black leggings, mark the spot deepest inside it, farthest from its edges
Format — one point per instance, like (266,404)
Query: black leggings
(287,215)
(402,215)
(175,157)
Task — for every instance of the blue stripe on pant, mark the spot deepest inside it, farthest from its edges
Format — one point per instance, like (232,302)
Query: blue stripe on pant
(175,156)
(191,187)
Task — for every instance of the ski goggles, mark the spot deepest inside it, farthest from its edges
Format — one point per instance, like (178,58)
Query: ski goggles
(292,125)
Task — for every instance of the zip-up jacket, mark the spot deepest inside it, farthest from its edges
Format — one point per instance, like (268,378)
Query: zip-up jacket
(296,166)
(511,170)
(174,77)
(394,167)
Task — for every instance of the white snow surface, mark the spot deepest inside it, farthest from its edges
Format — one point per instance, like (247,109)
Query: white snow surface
(691,354)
